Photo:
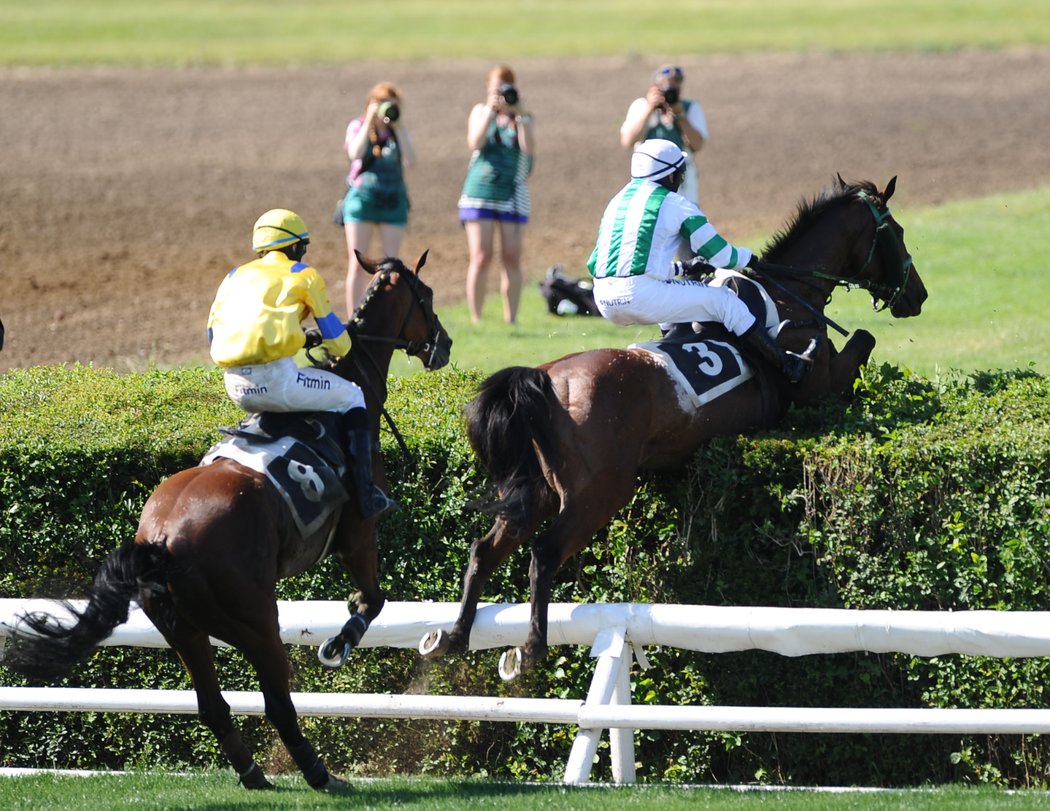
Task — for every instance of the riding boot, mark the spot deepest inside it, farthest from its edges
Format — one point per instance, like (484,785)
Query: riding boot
(371,500)
(793,366)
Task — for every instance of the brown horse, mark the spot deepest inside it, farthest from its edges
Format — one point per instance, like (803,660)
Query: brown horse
(563,443)
(213,541)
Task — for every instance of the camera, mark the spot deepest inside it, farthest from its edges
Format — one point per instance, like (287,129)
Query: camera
(670,94)
(509,93)
(389,111)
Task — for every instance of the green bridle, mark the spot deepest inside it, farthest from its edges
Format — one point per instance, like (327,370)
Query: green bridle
(894,256)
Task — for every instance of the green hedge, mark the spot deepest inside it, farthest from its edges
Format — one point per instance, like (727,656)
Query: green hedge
(923,495)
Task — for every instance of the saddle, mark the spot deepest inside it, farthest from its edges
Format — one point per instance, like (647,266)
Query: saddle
(300,453)
(704,358)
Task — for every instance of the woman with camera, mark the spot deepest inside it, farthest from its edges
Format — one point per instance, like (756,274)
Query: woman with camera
(663,113)
(376,200)
(495,194)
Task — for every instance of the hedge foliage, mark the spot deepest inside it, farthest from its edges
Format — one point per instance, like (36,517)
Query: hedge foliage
(921,495)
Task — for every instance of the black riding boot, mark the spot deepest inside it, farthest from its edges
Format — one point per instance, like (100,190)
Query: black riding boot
(371,500)
(794,367)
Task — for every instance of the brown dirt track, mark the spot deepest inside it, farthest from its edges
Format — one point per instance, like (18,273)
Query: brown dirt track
(127,194)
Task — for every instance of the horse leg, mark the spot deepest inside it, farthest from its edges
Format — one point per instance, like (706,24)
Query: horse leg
(360,557)
(835,372)
(582,516)
(263,649)
(197,657)
(486,555)
(844,367)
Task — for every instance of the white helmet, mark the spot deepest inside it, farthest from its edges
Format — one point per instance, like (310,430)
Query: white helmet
(656,158)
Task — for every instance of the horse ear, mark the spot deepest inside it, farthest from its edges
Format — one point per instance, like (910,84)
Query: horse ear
(422,261)
(368,265)
(841,182)
(890,187)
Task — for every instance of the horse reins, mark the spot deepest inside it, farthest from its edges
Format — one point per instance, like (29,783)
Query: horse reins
(884,239)
(412,348)
(821,317)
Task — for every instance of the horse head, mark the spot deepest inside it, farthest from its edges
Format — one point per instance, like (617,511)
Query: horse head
(884,265)
(398,310)
(849,237)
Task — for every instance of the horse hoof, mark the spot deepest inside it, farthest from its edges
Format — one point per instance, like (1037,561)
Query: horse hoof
(335,784)
(510,664)
(255,780)
(334,652)
(434,644)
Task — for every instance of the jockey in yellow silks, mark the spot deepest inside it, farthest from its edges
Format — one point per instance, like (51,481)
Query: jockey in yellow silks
(255,329)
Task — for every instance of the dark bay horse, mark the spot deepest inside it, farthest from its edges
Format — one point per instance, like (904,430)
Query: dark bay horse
(213,541)
(563,443)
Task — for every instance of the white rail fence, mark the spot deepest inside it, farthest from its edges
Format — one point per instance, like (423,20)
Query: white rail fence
(617,633)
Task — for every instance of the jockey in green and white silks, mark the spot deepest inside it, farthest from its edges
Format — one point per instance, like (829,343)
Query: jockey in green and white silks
(641,232)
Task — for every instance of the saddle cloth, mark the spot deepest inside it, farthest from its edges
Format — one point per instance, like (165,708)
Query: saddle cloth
(707,368)
(704,369)
(309,479)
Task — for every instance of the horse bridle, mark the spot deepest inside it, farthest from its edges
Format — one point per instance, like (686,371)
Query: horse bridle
(412,348)
(892,252)
(890,249)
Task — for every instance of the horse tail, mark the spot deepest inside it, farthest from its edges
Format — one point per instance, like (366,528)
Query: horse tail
(506,421)
(50,649)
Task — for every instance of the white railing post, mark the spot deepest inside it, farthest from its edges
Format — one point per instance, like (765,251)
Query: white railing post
(609,648)
(621,740)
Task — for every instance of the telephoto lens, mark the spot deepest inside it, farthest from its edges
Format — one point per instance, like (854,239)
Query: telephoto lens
(389,111)
(509,93)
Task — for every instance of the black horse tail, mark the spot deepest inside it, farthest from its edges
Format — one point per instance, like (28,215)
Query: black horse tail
(513,410)
(50,649)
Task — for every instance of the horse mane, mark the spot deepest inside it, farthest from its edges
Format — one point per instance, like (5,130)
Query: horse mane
(384,269)
(809,211)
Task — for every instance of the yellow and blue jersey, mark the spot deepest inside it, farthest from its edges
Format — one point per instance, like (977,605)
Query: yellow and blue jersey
(259,308)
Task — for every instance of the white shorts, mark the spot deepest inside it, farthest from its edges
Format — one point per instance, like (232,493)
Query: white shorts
(282,386)
(627,300)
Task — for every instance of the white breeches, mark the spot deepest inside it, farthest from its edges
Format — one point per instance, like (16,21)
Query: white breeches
(282,386)
(629,300)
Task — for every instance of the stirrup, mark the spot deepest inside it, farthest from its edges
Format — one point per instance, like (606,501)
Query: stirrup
(375,503)
(797,366)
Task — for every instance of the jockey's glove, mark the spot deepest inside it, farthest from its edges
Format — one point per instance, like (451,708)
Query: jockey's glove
(313,338)
(693,268)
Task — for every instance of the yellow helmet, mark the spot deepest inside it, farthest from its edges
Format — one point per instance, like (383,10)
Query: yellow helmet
(277,229)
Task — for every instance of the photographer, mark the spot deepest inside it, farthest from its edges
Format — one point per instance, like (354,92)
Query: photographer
(663,113)
(379,148)
(495,194)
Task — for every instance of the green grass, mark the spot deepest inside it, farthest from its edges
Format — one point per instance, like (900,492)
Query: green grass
(219,790)
(983,262)
(237,32)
